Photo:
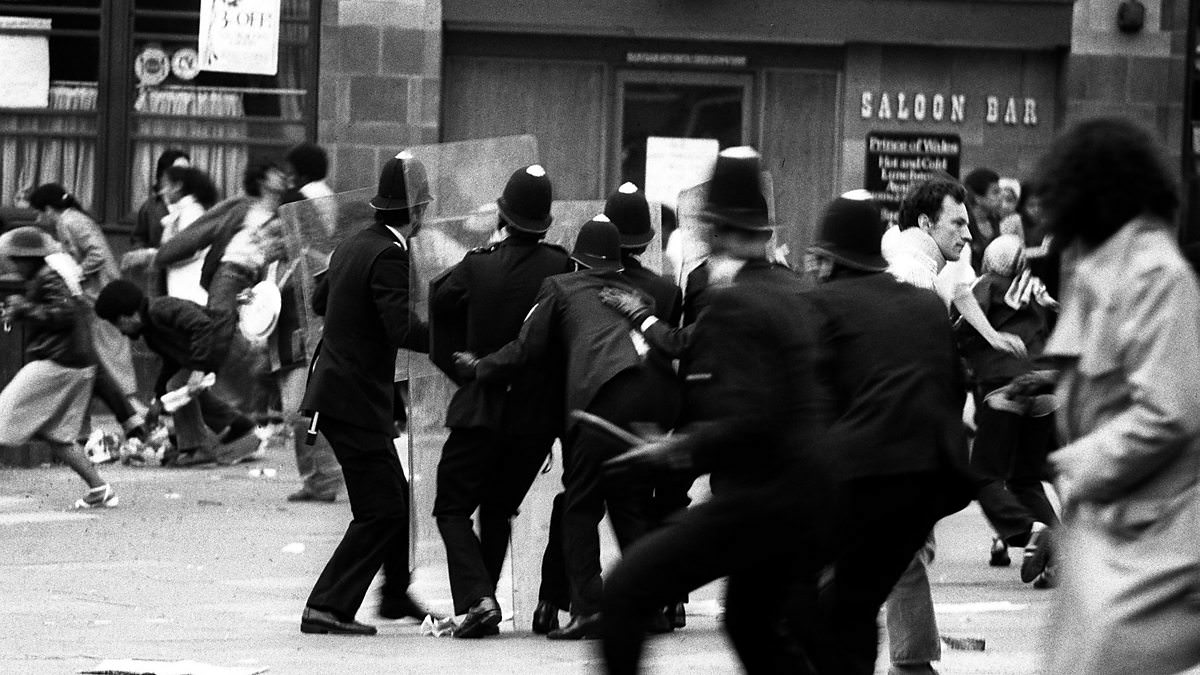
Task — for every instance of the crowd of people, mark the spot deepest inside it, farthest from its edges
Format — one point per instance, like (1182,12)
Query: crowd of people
(178,291)
(1000,335)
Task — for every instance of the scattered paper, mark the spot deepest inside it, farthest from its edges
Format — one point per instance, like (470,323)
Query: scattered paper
(438,627)
(294,547)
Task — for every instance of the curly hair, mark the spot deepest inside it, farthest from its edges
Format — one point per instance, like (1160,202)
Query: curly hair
(309,160)
(926,197)
(1099,175)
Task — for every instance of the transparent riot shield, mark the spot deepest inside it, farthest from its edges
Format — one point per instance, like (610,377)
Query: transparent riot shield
(313,228)
(465,179)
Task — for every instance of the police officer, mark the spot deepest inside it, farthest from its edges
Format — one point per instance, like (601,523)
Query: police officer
(628,209)
(750,391)
(500,434)
(606,375)
(365,296)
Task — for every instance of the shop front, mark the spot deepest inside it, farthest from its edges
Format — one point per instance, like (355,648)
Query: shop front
(94,90)
(808,83)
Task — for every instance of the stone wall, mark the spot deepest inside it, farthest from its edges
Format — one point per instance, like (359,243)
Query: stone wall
(380,83)
(1140,76)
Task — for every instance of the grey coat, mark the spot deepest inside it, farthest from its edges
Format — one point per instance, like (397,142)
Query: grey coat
(1128,472)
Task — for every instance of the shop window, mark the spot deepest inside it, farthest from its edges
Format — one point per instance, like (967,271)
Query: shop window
(222,120)
(123,87)
(679,111)
(51,139)
(678,105)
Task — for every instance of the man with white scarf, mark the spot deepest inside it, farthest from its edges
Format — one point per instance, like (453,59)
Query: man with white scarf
(926,250)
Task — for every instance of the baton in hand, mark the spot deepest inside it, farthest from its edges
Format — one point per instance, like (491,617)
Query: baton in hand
(602,425)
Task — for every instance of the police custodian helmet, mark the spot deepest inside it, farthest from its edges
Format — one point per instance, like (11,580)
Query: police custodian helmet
(525,204)
(402,179)
(628,209)
(735,193)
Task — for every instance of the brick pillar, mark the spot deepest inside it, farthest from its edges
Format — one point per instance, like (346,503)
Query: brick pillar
(380,83)
(1140,76)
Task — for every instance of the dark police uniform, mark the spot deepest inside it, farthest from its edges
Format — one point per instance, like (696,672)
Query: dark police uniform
(608,377)
(670,495)
(367,320)
(750,392)
(500,433)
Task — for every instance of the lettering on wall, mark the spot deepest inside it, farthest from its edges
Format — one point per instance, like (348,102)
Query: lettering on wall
(903,106)
(896,160)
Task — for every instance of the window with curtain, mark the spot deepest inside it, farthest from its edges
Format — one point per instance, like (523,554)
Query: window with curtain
(222,120)
(103,127)
(57,142)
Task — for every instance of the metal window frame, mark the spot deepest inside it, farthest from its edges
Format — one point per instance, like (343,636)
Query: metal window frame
(744,80)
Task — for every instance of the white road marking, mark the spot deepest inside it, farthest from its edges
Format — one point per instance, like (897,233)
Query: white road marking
(978,607)
(42,517)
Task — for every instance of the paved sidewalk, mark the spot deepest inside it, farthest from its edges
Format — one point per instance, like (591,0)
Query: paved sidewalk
(214,565)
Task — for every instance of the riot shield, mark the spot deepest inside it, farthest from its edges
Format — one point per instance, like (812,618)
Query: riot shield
(313,228)
(465,179)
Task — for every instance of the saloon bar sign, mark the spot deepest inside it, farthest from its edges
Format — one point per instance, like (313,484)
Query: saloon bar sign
(903,106)
(897,160)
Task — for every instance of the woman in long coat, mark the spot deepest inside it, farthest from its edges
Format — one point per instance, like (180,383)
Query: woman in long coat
(1128,338)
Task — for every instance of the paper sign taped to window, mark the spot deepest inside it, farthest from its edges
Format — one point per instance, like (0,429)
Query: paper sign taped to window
(25,77)
(239,36)
(675,164)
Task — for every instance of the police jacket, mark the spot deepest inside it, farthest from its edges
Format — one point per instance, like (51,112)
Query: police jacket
(568,315)
(367,319)
(750,390)
(890,366)
(479,306)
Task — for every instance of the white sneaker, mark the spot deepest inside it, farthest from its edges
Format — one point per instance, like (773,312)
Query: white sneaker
(103,497)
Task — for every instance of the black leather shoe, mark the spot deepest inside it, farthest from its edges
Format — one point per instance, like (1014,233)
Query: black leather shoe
(677,614)
(482,616)
(304,495)
(1037,552)
(545,618)
(403,607)
(585,627)
(659,623)
(317,621)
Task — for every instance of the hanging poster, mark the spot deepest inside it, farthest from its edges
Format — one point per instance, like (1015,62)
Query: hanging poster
(239,36)
(25,77)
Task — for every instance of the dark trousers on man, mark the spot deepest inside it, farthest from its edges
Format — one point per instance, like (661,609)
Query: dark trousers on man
(491,471)
(1011,451)
(771,557)
(378,534)
(632,396)
(555,588)
(882,522)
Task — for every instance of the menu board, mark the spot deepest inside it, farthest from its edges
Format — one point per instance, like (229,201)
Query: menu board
(897,160)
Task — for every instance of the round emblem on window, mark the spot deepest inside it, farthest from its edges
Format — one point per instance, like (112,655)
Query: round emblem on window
(151,66)
(185,63)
